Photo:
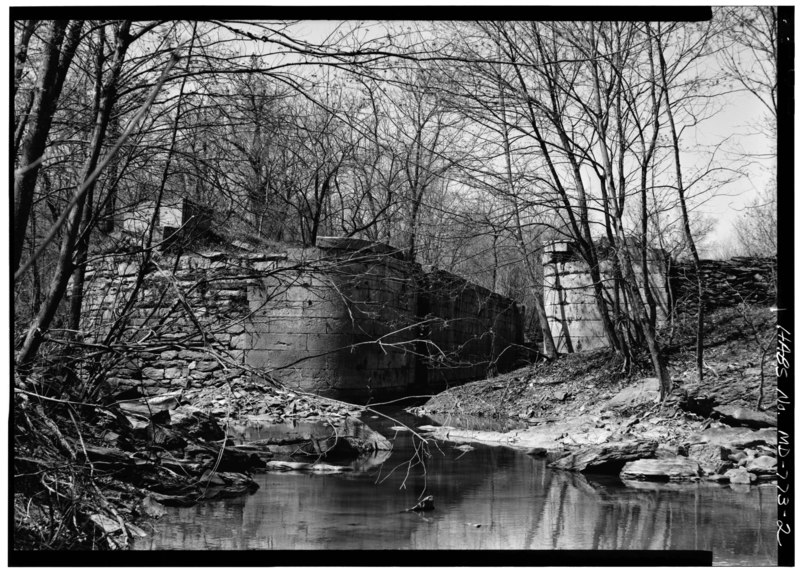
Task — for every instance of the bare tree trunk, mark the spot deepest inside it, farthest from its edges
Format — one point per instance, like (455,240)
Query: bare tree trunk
(21,52)
(56,61)
(65,265)
(687,231)
(538,299)
(82,246)
(640,313)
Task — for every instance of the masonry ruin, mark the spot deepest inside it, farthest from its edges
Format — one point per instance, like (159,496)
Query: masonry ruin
(347,318)
(571,307)
(569,297)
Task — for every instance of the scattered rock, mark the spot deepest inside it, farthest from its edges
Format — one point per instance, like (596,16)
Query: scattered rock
(195,423)
(744,417)
(184,500)
(608,458)
(666,452)
(712,458)
(537,452)
(152,509)
(740,476)
(763,465)
(675,469)
(644,391)
(108,525)
(149,406)
(226,485)
(165,437)
(736,437)
(737,456)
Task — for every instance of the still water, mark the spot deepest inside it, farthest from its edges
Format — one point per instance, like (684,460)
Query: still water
(486,498)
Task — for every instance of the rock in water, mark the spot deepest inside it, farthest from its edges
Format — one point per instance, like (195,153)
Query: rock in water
(606,458)
(675,469)
(424,505)
(712,458)
(740,476)
(763,465)
(742,416)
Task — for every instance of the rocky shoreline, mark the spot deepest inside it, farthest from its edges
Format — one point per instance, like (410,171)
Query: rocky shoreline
(586,414)
(141,455)
(645,442)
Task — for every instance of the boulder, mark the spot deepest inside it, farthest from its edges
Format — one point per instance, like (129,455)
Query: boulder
(744,417)
(712,458)
(737,456)
(152,405)
(607,458)
(644,391)
(227,458)
(763,465)
(151,509)
(740,476)
(674,469)
(165,437)
(666,452)
(736,437)
(536,452)
(196,423)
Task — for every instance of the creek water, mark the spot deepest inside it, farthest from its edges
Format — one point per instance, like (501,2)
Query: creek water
(485,498)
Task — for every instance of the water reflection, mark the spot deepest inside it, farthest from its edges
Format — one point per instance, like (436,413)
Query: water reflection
(519,503)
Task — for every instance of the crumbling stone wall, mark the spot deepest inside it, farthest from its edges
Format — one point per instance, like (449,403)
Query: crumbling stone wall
(187,326)
(348,318)
(727,282)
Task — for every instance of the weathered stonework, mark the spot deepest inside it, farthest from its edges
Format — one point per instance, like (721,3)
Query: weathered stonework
(571,307)
(727,282)
(347,318)
(569,297)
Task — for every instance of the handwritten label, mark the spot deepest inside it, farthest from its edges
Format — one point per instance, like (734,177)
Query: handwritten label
(782,368)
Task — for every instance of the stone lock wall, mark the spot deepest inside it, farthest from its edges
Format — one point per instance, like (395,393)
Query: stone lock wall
(482,329)
(347,318)
(569,296)
(336,322)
